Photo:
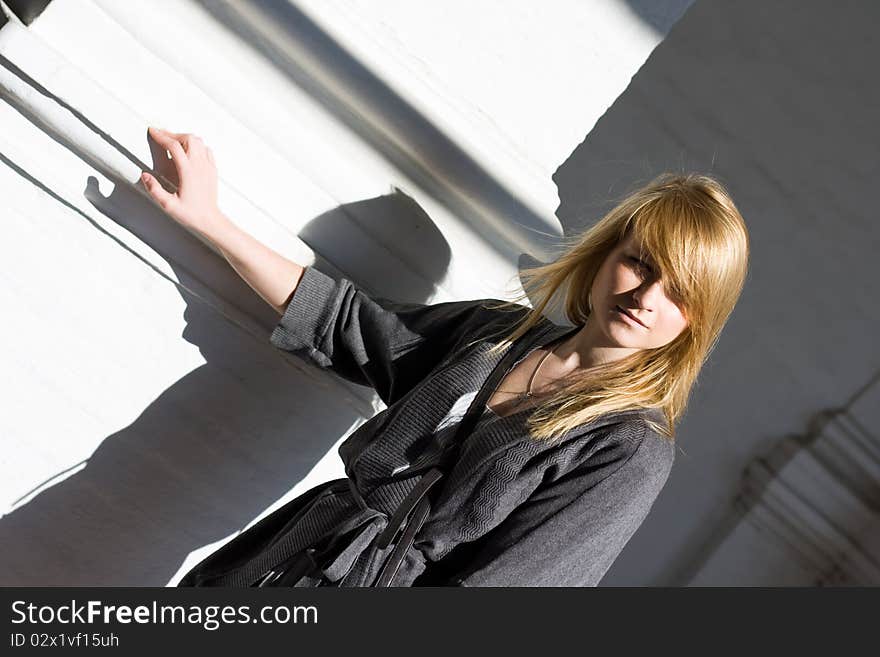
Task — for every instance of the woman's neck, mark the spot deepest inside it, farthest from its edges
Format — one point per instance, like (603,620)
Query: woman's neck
(587,349)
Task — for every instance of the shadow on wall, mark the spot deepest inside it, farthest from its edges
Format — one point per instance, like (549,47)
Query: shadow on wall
(743,95)
(387,122)
(661,15)
(231,437)
(790,128)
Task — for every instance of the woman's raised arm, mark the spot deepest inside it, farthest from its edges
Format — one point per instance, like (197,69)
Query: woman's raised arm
(194,206)
(270,274)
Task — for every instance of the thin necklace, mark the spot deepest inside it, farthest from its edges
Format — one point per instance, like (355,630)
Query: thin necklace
(528,393)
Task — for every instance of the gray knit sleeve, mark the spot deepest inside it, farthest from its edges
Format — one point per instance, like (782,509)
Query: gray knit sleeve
(372,341)
(567,535)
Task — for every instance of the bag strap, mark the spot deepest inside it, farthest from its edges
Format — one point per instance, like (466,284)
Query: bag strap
(409,502)
(477,407)
(417,498)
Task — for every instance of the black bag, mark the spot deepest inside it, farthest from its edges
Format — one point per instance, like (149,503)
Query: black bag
(325,564)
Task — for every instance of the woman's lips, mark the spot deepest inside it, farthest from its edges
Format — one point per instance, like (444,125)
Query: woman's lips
(628,317)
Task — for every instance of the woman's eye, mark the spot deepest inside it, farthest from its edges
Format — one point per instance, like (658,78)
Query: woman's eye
(640,263)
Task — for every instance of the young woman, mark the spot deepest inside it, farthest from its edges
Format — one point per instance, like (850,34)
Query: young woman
(543,447)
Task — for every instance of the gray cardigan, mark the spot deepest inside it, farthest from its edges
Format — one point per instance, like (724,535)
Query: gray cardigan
(511,511)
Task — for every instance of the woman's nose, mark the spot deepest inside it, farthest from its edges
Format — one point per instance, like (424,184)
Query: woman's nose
(645,294)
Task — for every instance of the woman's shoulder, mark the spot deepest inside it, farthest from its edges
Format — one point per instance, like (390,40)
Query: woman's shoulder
(647,452)
(621,440)
(624,457)
(639,429)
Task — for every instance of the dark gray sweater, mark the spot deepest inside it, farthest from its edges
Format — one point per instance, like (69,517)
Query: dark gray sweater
(511,511)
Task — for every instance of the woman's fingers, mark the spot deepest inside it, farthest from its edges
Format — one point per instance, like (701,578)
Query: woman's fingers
(194,202)
(165,200)
(165,138)
(174,147)
(162,164)
(190,142)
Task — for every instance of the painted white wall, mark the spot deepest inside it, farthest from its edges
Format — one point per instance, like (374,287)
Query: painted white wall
(147,417)
(807,511)
(489,73)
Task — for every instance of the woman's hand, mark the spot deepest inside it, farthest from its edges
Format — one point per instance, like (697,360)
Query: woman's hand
(192,170)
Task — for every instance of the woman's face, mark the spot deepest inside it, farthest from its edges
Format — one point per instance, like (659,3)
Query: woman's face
(625,281)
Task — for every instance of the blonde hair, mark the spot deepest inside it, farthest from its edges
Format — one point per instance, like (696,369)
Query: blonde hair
(691,229)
